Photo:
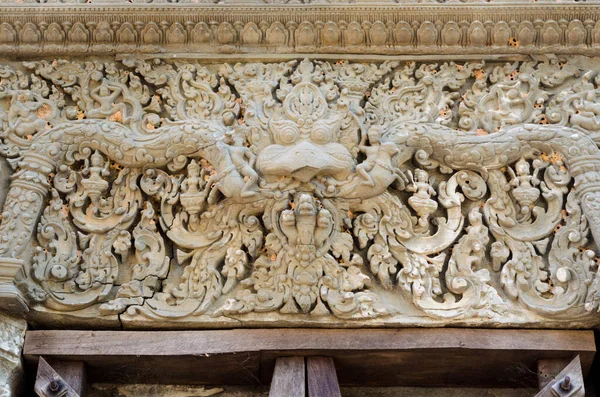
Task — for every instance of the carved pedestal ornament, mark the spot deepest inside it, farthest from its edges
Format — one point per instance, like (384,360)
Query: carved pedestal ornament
(158,194)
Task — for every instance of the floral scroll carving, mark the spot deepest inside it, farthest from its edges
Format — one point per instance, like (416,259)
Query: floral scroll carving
(303,192)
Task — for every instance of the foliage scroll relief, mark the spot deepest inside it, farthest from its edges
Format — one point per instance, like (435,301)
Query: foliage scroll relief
(181,194)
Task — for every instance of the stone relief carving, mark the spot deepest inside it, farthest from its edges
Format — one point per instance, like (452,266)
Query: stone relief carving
(318,27)
(166,194)
(12,334)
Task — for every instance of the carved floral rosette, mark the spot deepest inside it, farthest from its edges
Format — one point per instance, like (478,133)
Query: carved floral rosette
(169,194)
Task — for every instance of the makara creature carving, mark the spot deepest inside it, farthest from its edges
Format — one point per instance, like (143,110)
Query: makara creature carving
(303,192)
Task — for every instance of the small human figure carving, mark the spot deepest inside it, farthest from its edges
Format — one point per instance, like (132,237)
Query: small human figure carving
(421,200)
(524,182)
(96,169)
(243,159)
(377,154)
(105,96)
(193,195)
(509,103)
(588,112)
(193,183)
(22,117)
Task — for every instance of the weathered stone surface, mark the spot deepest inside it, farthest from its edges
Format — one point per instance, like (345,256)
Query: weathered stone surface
(12,331)
(179,194)
(267,28)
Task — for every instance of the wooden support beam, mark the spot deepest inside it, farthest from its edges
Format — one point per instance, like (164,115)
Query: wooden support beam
(49,383)
(289,378)
(321,377)
(367,357)
(568,383)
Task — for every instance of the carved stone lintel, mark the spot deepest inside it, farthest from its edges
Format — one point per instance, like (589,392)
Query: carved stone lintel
(176,192)
(12,333)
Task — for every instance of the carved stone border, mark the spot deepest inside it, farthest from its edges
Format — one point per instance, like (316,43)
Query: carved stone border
(392,29)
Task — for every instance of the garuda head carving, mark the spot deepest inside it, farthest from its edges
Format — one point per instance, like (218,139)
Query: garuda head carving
(306,140)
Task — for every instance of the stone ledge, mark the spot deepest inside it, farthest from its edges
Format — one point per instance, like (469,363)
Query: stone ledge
(360,28)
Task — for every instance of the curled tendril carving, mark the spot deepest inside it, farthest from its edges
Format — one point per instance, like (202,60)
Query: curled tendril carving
(187,193)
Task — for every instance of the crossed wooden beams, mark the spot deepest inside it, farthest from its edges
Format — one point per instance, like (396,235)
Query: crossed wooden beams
(313,362)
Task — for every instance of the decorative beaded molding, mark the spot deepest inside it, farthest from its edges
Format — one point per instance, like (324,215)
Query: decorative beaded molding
(179,194)
(361,28)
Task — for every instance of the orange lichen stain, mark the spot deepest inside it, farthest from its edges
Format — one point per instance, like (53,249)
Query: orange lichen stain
(555,158)
(459,67)
(43,111)
(557,228)
(115,166)
(80,114)
(150,126)
(545,157)
(292,204)
(29,137)
(563,213)
(55,63)
(513,42)
(351,214)
(116,117)
(273,257)
(513,75)
(481,132)
(503,169)
(479,74)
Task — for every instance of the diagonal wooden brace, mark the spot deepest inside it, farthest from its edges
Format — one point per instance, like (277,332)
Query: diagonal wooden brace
(50,383)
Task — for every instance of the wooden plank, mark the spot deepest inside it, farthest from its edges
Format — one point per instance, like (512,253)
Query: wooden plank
(321,377)
(48,383)
(288,378)
(568,383)
(168,343)
(377,357)
(549,369)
